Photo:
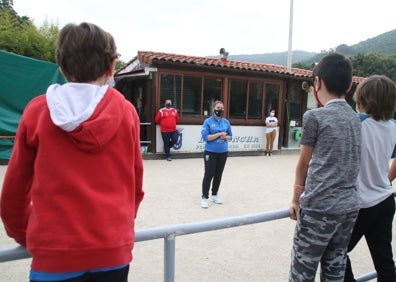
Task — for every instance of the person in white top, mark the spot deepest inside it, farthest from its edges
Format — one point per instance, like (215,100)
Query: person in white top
(375,99)
(271,123)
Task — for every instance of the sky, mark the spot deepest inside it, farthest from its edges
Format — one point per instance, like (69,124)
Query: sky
(202,27)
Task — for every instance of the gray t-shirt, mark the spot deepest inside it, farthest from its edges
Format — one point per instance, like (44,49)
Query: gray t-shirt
(334,132)
(378,146)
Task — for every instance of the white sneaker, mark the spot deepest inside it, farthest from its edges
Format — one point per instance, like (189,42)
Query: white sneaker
(204,203)
(216,199)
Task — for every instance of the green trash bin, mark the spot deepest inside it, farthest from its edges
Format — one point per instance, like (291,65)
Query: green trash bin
(297,134)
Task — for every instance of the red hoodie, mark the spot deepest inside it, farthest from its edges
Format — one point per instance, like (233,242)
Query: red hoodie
(72,197)
(167,119)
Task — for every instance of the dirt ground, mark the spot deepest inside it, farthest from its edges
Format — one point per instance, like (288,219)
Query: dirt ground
(258,252)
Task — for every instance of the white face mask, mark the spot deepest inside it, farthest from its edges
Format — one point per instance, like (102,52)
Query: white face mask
(272,114)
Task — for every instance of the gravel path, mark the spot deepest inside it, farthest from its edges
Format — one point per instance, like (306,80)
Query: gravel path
(258,252)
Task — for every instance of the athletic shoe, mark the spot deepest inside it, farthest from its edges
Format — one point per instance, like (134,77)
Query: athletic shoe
(204,203)
(169,159)
(216,199)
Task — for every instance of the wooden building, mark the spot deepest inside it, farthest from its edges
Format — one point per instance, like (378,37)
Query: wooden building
(248,91)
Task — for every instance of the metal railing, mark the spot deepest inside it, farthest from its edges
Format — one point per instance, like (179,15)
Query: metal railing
(170,232)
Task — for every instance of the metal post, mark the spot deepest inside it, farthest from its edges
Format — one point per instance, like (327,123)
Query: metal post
(169,258)
(289,52)
(367,277)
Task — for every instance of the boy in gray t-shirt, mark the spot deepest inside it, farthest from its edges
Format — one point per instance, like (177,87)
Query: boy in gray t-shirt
(325,190)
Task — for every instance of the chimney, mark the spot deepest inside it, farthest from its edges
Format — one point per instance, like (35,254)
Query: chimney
(223,54)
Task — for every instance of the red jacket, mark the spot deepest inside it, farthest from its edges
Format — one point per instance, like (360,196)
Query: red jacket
(167,119)
(72,197)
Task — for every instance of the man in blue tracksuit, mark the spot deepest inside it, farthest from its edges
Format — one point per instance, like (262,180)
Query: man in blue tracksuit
(216,132)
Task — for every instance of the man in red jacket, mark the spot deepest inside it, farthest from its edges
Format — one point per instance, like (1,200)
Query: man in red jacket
(74,181)
(167,118)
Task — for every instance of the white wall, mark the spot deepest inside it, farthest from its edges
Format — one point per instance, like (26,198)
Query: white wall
(245,138)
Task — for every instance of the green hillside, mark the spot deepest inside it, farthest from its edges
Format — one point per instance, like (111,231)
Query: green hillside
(383,44)
(273,58)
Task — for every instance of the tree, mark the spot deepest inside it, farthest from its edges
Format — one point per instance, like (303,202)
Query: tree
(49,33)
(119,64)
(11,32)
(20,36)
(344,49)
(301,65)
(369,64)
(6,5)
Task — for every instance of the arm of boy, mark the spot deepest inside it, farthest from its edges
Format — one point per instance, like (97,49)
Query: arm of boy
(15,200)
(300,176)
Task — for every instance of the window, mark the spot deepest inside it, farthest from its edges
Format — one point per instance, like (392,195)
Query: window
(255,100)
(241,95)
(193,95)
(238,97)
(192,89)
(212,92)
(196,93)
(295,101)
(171,89)
(271,97)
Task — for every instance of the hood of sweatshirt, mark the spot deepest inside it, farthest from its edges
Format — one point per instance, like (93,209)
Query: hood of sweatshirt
(90,114)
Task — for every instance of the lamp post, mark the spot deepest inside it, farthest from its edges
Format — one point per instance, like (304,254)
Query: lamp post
(289,52)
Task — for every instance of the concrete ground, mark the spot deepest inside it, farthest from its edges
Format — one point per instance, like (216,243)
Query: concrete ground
(258,252)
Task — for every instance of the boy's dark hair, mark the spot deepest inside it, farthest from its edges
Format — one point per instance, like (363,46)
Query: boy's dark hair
(84,52)
(377,95)
(335,70)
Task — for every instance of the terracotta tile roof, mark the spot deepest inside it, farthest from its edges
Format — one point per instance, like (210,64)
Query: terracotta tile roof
(149,57)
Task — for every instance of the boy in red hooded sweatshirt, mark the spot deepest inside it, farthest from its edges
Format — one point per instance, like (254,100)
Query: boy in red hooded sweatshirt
(74,181)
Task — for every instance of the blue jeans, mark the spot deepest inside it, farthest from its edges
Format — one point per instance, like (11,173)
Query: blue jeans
(170,139)
(117,275)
